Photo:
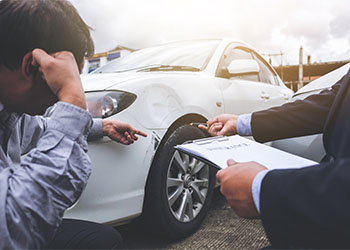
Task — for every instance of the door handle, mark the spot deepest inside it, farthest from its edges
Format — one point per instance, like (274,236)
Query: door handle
(264,95)
(286,97)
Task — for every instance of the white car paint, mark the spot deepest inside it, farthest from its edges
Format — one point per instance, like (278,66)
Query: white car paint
(115,191)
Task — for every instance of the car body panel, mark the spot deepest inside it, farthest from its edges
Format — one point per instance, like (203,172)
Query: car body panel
(119,194)
(164,99)
(241,96)
(310,147)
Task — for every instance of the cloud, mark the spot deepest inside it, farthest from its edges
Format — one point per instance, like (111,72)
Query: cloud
(270,26)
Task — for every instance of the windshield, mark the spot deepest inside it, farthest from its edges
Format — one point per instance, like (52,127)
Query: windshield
(189,54)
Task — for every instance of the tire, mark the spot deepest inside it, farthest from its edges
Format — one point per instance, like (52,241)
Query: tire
(179,188)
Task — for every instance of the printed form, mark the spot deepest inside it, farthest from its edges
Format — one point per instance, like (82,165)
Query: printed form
(217,150)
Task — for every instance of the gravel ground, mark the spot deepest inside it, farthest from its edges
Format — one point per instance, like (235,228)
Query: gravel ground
(222,229)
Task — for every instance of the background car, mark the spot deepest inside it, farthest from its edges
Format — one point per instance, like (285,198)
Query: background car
(311,146)
(161,90)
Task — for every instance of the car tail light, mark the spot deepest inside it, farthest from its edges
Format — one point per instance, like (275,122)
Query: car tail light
(107,103)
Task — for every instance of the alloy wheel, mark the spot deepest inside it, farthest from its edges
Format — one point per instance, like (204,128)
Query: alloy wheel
(187,186)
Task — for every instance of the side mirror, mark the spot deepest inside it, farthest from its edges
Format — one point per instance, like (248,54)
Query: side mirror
(243,67)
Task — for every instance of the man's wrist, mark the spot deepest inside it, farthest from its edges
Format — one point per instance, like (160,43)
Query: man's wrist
(256,188)
(105,127)
(243,125)
(74,99)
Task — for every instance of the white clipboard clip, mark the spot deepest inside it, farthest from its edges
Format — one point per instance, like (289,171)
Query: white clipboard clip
(210,140)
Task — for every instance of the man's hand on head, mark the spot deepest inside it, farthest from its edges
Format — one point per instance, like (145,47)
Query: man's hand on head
(61,73)
(120,131)
(236,185)
(224,124)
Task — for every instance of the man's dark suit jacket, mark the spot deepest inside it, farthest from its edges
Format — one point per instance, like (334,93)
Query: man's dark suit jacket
(309,207)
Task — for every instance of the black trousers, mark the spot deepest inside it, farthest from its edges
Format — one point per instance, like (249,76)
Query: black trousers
(78,234)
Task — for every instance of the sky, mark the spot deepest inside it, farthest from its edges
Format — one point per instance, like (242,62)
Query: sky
(322,27)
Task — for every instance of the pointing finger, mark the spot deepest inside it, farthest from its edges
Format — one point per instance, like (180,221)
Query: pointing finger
(140,133)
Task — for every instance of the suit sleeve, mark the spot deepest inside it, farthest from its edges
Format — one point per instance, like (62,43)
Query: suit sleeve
(299,118)
(310,208)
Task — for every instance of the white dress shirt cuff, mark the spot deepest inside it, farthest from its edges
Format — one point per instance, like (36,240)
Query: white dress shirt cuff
(256,187)
(244,125)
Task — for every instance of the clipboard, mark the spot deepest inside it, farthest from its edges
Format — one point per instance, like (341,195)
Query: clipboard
(203,141)
(215,151)
(204,160)
(210,140)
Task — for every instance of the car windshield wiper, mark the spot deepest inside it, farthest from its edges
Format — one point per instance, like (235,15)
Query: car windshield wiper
(170,68)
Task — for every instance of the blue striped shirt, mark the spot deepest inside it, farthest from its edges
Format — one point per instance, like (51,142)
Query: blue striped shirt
(36,189)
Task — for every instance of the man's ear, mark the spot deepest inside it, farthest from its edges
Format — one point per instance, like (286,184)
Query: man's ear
(28,69)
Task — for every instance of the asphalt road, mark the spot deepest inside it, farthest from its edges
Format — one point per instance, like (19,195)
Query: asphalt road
(222,229)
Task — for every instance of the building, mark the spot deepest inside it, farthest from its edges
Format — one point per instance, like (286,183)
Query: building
(290,73)
(100,59)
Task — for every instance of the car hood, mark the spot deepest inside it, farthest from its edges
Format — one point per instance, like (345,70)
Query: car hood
(103,81)
(325,81)
(96,82)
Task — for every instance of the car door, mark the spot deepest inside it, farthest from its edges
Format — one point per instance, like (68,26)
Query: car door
(247,92)
(274,93)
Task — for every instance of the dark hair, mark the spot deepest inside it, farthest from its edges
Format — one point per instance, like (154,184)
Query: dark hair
(52,25)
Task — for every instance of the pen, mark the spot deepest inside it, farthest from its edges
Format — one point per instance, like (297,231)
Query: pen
(198,123)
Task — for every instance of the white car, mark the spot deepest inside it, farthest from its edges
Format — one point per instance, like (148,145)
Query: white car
(311,146)
(161,90)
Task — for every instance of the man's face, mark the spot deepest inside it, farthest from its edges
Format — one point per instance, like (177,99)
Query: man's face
(20,95)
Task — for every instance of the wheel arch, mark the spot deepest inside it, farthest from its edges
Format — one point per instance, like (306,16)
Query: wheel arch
(186,119)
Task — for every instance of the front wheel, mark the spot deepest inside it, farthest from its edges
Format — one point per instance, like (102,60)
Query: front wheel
(179,188)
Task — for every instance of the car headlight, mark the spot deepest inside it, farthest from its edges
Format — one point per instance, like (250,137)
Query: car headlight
(107,103)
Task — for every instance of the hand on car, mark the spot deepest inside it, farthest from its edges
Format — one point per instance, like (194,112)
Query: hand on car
(61,73)
(224,124)
(120,131)
(236,185)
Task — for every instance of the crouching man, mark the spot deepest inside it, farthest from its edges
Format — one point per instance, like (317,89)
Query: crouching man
(42,48)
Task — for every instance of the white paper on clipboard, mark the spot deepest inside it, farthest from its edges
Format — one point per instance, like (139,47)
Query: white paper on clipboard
(217,150)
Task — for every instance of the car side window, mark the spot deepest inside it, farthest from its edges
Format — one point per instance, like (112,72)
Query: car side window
(235,53)
(266,75)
